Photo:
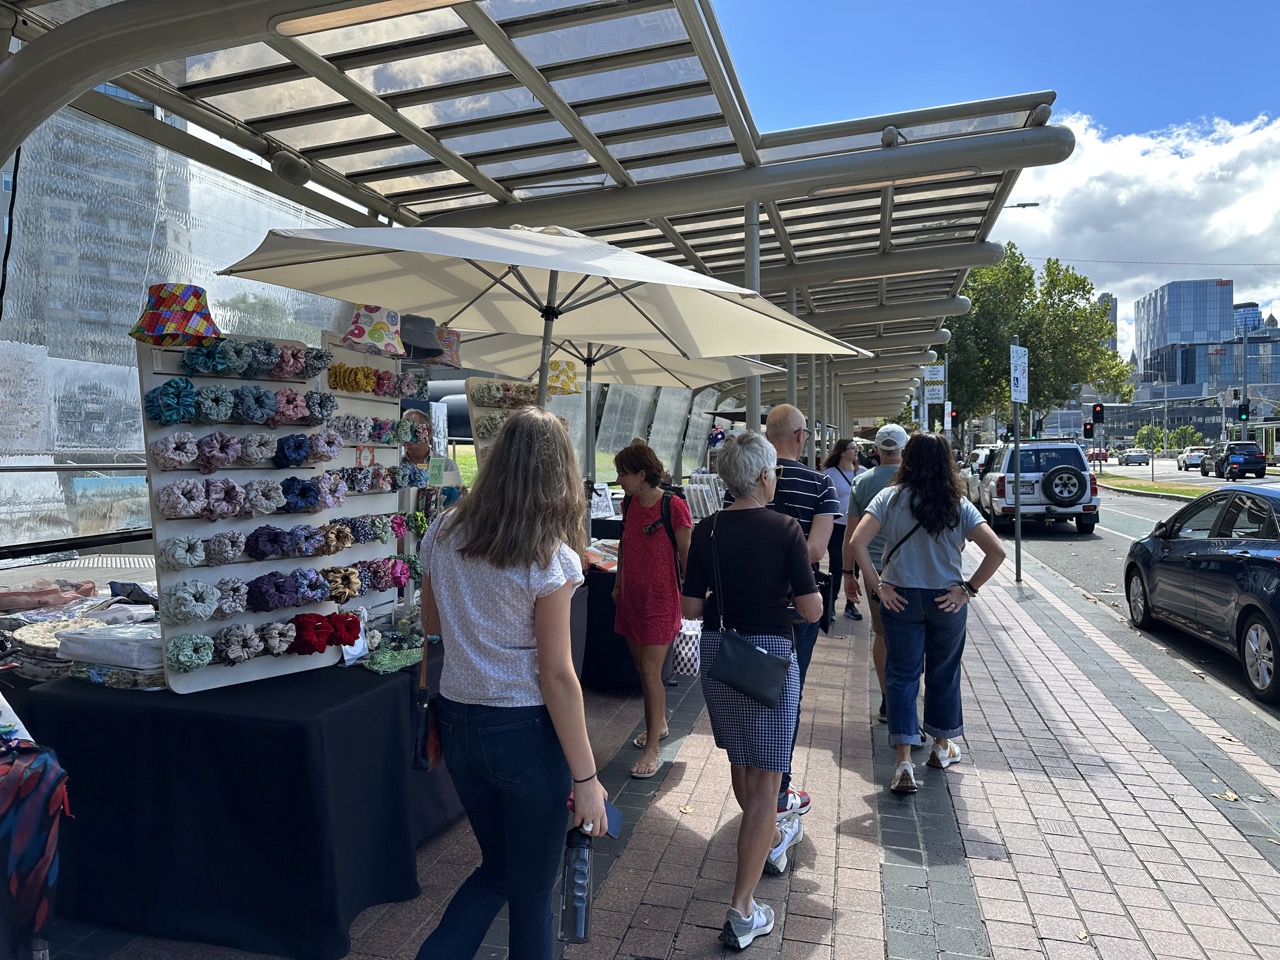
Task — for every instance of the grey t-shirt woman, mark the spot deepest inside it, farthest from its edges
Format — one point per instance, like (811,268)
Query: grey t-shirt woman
(923,561)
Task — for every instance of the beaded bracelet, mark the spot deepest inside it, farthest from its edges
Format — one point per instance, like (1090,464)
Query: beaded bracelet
(320,407)
(218,450)
(344,583)
(188,651)
(174,452)
(255,448)
(178,553)
(311,585)
(311,633)
(232,595)
(291,407)
(300,496)
(235,354)
(262,498)
(182,499)
(188,601)
(263,355)
(271,591)
(292,359)
(174,401)
(351,379)
(323,446)
(214,404)
(225,499)
(205,360)
(291,450)
(236,644)
(276,637)
(267,542)
(346,628)
(254,405)
(224,547)
(315,361)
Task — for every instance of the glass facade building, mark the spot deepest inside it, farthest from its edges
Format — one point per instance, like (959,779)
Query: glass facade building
(1181,313)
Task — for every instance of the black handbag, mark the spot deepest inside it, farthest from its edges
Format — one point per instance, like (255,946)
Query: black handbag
(827,587)
(753,671)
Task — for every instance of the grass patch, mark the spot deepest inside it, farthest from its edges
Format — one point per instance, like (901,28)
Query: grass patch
(465,457)
(1166,487)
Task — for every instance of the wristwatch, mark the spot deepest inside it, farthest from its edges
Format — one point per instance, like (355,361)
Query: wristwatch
(969,588)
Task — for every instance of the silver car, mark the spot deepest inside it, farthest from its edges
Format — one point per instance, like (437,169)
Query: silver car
(1134,455)
(1189,459)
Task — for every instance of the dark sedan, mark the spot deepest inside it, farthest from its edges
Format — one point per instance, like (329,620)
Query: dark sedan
(1245,455)
(1213,569)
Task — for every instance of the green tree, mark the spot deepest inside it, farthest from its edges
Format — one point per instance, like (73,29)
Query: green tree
(1150,437)
(259,315)
(1055,316)
(1186,436)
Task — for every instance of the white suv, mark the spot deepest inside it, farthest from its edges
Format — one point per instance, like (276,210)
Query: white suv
(1057,485)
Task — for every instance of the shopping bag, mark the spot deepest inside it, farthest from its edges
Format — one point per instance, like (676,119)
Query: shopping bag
(686,660)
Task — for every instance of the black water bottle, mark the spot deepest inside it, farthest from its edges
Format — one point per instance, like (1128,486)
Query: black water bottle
(575,890)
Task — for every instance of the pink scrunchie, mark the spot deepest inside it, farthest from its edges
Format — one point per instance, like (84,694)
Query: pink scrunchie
(218,451)
(224,499)
(290,407)
(290,365)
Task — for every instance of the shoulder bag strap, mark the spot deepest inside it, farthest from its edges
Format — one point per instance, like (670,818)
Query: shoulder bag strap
(715,566)
(422,670)
(889,556)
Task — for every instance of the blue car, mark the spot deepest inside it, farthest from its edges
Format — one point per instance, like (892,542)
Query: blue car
(1212,569)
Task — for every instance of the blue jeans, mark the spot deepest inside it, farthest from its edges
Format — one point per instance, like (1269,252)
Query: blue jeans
(511,775)
(921,635)
(806,639)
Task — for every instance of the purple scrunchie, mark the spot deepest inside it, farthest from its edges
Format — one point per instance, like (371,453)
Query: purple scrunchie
(173,452)
(218,451)
(311,585)
(305,541)
(290,364)
(272,591)
(323,446)
(290,407)
(231,597)
(224,498)
(333,490)
(266,542)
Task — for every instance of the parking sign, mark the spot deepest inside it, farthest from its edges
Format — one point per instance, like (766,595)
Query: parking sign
(1018,374)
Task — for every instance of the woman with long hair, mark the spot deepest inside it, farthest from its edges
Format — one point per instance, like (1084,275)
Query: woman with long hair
(764,569)
(498,574)
(924,596)
(843,467)
(651,558)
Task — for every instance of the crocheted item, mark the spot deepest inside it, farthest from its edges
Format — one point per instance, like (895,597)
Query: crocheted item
(291,407)
(174,452)
(267,542)
(311,633)
(205,360)
(223,547)
(178,553)
(236,644)
(276,637)
(300,496)
(263,355)
(398,526)
(292,359)
(182,499)
(188,651)
(272,591)
(254,405)
(315,362)
(320,407)
(174,401)
(311,585)
(235,354)
(305,541)
(256,448)
(291,450)
(323,446)
(262,498)
(336,538)
(188,601)
(344,583)
(226,499)
(217,451)
(214,404)
(232,594)
(346,628)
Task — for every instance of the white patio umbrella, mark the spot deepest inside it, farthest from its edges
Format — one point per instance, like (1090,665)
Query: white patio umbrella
(545,281)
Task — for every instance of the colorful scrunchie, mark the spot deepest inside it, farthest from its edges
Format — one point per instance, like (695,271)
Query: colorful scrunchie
(351,429)
(402,477)
(232,595)
(323,446)
(205,360)
(315,362)
(306,541)
(235,354)
(225,499)
(218,450)
(352,379)
(267,542)
(300,496)
(333,490)
(409,385)
(357,478)
(178,553)
(174,401)
(272,591)
(311,633)
(188,601)
(405,431)
(379,577)
(361,529)
(174,452)
(188,651)
(414,564)
(336,538)
(276,637)
(236,644)
(256,448)
(291,450)
(214,404)
(292,359)
(344,583)
(263,355)
(290,407)
(320,407)
(254,405)
(380,478)
(381,430)
(418,476)
(397,571)
(262,498)
(311,586)
(346,629)
(384,383)
(182,499)
(224,547)
(398,526)
(417,522)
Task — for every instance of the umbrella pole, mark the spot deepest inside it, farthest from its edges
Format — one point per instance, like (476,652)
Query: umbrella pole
(550,313)
(589,450)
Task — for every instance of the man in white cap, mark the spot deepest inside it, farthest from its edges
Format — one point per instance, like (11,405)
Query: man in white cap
(890,439)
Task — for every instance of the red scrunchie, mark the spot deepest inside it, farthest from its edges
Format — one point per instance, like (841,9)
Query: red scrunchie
(312,633)
(346,629)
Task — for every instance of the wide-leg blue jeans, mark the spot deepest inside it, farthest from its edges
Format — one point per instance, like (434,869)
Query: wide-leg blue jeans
(806,638)
(921,636)
(510,772)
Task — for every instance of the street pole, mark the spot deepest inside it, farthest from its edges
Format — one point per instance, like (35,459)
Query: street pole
(1244,394)
(1017,487)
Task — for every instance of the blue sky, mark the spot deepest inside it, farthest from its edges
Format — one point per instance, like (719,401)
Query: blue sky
(1176,172)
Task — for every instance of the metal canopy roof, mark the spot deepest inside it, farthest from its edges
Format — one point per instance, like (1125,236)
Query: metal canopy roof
(620,118)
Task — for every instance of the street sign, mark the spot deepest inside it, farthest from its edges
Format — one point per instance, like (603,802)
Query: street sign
(935,383)
(1018,374)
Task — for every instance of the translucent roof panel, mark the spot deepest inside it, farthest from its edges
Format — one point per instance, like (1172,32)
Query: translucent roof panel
(449,108)
(509,137)
(600,39)
(352,128)
(276,98)
(668,111)
(220,63)
(632,79)
(390,31)
(374,159)
(431,70)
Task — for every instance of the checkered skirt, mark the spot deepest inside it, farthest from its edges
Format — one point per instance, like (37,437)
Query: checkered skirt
(752,735)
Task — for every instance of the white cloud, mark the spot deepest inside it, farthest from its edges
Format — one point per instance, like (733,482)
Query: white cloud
(1189,202)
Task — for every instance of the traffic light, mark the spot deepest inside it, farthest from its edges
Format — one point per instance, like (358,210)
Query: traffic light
(1008,430)
(1088,430)
(1098,411)
(955,423)
(1036,428)
(1242,412)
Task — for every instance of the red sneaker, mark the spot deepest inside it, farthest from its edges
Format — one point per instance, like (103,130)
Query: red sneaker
(795,801)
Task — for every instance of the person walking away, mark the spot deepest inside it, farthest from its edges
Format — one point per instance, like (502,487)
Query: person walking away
(924,596)
(499,570)
(767,577)
(890,439)
(656,527)
(842,467)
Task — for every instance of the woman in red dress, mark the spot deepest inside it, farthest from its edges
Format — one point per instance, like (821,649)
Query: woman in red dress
(651,563)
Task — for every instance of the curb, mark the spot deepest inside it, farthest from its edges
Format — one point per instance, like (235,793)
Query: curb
(1179,497)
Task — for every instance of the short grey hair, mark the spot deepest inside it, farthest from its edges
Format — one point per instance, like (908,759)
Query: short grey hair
(744,458)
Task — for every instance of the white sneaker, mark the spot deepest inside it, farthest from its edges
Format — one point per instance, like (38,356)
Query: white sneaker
(739,931)
(792,833)
(944,758)
(904,778)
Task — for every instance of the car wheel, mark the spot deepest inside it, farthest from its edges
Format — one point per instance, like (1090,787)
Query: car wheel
(1139,607)
(1204,469)
(1258,657)
(1261,473)
(1084,525)
(1219,472)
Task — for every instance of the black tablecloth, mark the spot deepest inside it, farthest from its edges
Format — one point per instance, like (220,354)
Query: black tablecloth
(263,816)
(607,662)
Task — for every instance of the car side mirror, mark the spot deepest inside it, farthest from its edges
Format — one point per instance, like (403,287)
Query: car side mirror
(1160,531)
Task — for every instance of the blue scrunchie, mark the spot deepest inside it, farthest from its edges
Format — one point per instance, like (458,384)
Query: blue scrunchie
(204,360)
(254,405)
(291,451)
(300,496)
(266,542)
(311,585)
(263,355)
(305,540)
(174,401)
(235,354)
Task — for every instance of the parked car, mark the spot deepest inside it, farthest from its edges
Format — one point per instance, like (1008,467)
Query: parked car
(1134,455)
(1097,454)
(971,472)
(1213,569)
(1189,459)
(1245,454)
(1057,485)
